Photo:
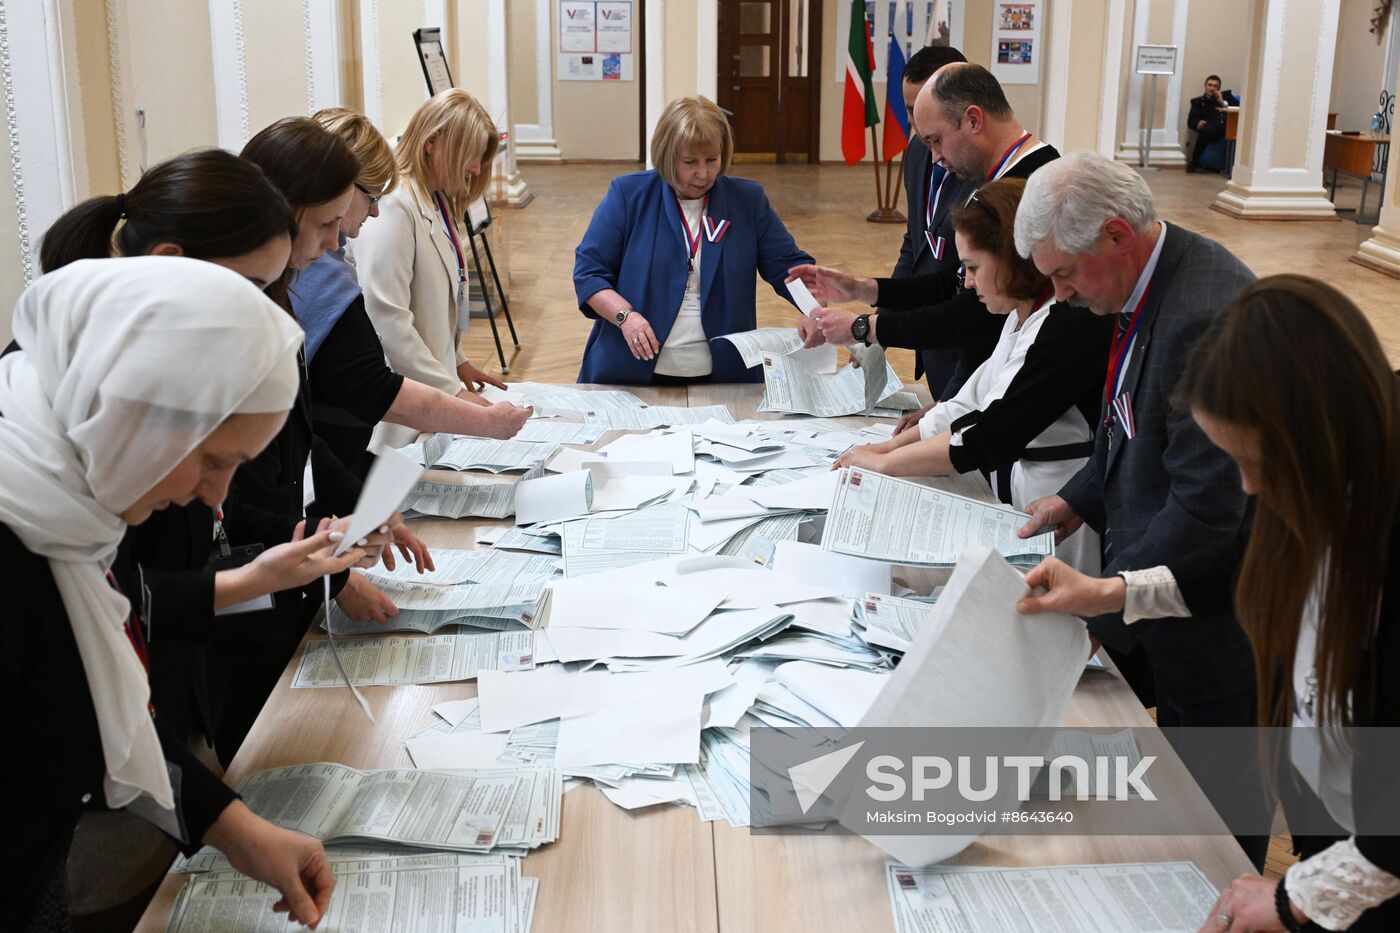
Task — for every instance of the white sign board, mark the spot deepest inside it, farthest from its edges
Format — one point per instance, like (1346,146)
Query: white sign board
(1017,47)
(1156,60)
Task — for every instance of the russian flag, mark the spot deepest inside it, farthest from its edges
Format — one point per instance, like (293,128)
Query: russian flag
(896,114)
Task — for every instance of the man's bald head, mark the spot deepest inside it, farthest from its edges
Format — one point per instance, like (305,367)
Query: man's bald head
(961,113)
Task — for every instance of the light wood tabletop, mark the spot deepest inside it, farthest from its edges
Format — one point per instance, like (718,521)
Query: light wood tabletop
(662,868)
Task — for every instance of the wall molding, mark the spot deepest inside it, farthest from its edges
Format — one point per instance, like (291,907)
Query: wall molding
(655,40)
(7,88)
(369,62)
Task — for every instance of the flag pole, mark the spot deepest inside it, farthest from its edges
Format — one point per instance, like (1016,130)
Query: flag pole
(882,214)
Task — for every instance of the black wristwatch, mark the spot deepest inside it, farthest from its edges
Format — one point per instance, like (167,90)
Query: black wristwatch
(621,316)
(860,328)
(1285,909)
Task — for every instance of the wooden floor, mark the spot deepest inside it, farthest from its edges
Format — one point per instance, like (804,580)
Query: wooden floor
(824,206)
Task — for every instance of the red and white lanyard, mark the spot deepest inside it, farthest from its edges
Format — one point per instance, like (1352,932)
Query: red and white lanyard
(452,235)
(692,240)
(1005,162)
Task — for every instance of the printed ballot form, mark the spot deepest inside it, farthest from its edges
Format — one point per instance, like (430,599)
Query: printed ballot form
(1132,897)
(903,522)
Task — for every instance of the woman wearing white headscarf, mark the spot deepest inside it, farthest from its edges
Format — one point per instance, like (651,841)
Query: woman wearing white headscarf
(115,408)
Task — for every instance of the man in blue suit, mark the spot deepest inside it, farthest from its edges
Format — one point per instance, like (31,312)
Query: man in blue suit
(1155,488)
(919,253)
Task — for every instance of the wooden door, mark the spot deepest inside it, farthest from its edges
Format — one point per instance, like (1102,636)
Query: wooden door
(769,55)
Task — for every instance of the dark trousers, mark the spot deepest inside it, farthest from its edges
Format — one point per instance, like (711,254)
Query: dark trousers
(1204,138)
(939,367)
(1178,709)
(658,379)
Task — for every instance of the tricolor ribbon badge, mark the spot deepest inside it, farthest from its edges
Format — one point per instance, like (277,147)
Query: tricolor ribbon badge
(1123,410)
(715,230)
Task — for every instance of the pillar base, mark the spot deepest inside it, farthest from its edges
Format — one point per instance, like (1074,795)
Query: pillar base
(1169,156)
(518,193)
(1381,253)
(1248,202)
(537,150)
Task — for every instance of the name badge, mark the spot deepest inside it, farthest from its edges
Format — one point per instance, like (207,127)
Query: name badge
(464,311)
(1123,414)
(935,243)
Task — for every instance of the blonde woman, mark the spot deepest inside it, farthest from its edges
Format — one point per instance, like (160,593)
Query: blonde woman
(412,261)
(668,261)
(352,389)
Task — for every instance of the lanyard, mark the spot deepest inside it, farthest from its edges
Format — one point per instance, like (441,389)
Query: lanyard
(934,196)
(1001,165)
(1116,356)
(692,242)
(452,235)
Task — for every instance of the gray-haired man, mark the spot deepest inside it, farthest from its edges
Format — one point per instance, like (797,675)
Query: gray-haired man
(1155,488)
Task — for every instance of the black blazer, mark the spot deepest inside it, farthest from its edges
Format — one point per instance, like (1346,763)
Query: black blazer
(1205,108)
(1207,578)
(946,318)
(352,387)
(52,737)
(1169,491)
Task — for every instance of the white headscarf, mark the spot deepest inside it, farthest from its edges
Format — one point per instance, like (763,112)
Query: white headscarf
(127,366)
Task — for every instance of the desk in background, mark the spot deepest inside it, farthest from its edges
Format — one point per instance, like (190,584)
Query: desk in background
(1357,154)
(662,868)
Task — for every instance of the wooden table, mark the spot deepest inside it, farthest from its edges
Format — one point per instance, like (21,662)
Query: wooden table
(662,868)
(1355,154)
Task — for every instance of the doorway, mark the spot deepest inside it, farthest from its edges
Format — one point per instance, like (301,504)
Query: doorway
(769,59)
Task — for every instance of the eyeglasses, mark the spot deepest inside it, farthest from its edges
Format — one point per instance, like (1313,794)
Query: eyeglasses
(373,198)
(962,277)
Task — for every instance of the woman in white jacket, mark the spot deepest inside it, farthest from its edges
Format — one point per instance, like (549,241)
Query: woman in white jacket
(412,262)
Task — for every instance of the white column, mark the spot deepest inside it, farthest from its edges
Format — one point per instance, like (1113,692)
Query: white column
(1084,50)
(1166,133)
(535,142)
(655,40)
(322,54)
(230,73)
(1115,32)
(1382,251)
(369,62)
(1283,120)
(37,114)
(498,95)
(707,48)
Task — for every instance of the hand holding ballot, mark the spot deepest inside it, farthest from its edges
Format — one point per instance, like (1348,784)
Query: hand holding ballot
(832,286)
(1050,512)
(1069,591)
(291,862)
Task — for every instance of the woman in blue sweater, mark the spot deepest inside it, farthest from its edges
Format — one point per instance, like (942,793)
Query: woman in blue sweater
(668,261)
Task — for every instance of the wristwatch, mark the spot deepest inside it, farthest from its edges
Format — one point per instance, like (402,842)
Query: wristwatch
(860,328)
(621,316)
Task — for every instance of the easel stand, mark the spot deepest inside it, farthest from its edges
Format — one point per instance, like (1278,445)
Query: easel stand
(474,232)
(886,212)
(1145,144)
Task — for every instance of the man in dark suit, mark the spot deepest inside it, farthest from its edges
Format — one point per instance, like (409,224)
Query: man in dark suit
(1155,488)
(923,177)
(1207,118)
(966,122)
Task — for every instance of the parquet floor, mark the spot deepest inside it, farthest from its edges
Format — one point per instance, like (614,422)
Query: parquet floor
(824,206)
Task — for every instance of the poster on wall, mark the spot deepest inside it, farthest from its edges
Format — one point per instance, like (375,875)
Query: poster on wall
(594,41)
(1016,41)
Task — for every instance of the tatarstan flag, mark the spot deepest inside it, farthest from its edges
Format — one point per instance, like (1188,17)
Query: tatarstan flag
(859,110)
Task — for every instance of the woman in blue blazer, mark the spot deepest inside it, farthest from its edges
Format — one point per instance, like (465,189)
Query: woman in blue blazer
(669,258)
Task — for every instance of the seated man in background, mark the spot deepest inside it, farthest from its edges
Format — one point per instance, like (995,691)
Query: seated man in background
(1207,118)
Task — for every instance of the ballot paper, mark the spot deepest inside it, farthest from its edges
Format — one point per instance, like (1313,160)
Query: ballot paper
(547,399)
(553,498)
(428,621)
(558,432)
(797,387)
(509,700)
(753,344)
(976,661)
(883,518)
(642,718)
(720,779)
(629,486)
(1126,897)
(516,539)
(593,545)
(839,573)
(676,448)
(654,416)
(427,893)
(475,453)
(890,621)
(843,694)
(467,811)
(457,750)
(460,500)
(802,296)
(395,660)
(455,567)
(610,602)
(390,478)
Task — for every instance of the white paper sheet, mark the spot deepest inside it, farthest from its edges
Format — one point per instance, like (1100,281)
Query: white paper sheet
(802,296)
(848,576)
(472,750)
(390,478)
(553,498)
(676,448)
(509,700)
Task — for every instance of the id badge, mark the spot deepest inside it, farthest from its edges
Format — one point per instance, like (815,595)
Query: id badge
(464,311)
(236,558)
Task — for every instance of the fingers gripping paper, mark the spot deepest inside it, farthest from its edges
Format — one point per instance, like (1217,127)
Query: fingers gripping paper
(976,661)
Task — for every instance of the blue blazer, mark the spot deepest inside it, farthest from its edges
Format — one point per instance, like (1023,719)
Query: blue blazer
(635,244)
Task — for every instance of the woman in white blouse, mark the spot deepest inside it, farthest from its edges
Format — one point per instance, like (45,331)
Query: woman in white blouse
(412,262)
(1024,417)
(1291,381)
